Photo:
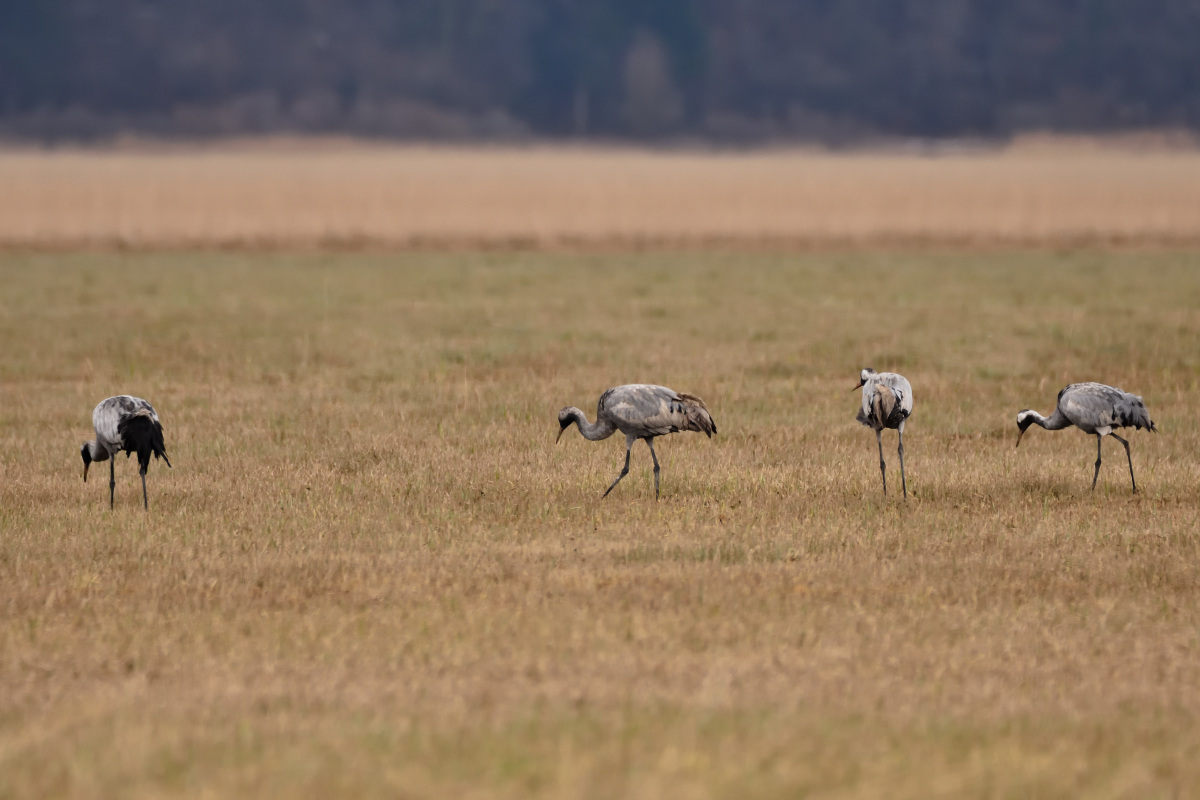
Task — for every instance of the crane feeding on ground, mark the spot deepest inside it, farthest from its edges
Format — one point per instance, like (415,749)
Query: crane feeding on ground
(1093,408)
(887,401)
(640,411)
(124,423)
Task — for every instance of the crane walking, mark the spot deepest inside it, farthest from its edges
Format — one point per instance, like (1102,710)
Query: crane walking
(887,401)
(124,423)
(1093,408)
(640,411)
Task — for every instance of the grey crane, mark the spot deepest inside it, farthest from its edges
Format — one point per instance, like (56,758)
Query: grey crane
(124,423)
(640,411)
(1093,408)
(887,401)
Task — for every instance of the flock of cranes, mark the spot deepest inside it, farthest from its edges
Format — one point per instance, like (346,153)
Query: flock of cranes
(645,411)
(642,411)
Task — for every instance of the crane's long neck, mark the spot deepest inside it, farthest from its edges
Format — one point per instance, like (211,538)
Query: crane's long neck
(1055,422)
(592,431)
(97,452)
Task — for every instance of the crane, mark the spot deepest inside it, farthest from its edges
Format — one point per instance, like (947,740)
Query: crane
(124,423)
(640,411)
(1093,408)
(887,401)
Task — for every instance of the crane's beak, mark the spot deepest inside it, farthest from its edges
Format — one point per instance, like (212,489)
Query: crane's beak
(85,469)
(1020,433)
(860,385)
(560,433)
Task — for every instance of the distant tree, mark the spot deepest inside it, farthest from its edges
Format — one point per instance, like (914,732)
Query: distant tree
(33,55)
(652,104)
(643,68)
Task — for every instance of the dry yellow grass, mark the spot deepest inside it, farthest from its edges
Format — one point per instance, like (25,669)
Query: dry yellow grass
(304,196)
(371,573)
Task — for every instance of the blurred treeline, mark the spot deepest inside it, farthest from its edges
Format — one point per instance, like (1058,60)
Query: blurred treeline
(727,70)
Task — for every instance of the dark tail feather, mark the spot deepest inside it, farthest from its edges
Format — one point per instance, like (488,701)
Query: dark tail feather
(699,419)
(1135,414)
(142,435)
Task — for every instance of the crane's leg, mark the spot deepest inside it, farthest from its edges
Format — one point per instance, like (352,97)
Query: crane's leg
(1131,478)
(145,500)
(650,443)
(112,480)
(882,466)
(624,471)
(900,450)
(1099,440)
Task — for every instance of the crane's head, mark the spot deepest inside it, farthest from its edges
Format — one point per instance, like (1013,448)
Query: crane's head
(86,453)
(863,377)
(565,418)
(1024,420)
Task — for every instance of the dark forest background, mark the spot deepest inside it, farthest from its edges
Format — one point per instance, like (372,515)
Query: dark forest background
(725,70)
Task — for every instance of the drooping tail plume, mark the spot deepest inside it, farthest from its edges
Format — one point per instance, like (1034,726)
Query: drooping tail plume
(884,403)
(699,420)
(141,433)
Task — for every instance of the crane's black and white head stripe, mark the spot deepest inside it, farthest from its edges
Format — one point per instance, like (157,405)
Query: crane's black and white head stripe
(566,417)
(864,376)
(1025,418)
(86,453)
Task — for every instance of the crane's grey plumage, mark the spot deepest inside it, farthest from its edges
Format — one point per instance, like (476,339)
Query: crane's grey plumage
(124,423)
(640,411)
(887,402)
(1093,408)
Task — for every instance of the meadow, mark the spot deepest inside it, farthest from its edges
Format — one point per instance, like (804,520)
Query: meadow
(372,573)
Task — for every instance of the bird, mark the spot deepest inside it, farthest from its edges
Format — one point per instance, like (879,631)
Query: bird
(1093,408)
(640,411)
(124,423)
(887,401)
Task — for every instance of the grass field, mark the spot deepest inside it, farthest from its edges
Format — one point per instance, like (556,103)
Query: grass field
(354,197)
(371,573)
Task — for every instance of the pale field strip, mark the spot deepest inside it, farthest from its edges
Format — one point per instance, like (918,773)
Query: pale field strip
(347,196)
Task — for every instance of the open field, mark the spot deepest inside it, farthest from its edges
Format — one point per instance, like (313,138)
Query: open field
(371,573)
(355,196)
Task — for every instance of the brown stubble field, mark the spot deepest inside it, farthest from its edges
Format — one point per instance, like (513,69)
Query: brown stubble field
(351,196)
(371,573)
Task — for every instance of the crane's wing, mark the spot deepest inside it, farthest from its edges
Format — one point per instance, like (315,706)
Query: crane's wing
(105,419)
(901,387)
(639,408)
(1096,405)
(648,410)
(109,414)
(868,394)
